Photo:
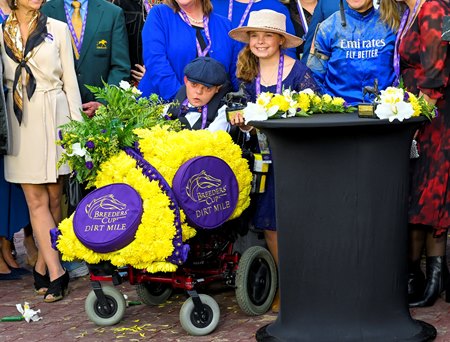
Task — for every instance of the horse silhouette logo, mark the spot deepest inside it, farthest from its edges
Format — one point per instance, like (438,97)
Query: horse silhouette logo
(105,203)
(102,44)
(201,181)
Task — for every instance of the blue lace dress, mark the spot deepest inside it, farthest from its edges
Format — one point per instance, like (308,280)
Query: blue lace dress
(300,78)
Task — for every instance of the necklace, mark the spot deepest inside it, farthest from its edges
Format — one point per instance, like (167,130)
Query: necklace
(195,21)
(279,77)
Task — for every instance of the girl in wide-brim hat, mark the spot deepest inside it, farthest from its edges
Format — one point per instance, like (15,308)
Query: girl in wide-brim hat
(263,67)
(266,21)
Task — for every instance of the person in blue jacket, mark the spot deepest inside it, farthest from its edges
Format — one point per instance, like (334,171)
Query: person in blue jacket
(323,10)
(347,58)
(177,32)
(238,13)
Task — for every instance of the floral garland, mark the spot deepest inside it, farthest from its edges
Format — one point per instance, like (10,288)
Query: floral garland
(165,150)
(291,103)
(397,103)
(158,145)
(90,142)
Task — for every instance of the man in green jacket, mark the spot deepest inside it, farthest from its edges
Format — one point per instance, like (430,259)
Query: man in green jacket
(100,44)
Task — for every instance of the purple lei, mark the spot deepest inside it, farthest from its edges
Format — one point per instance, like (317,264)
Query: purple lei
(181,250)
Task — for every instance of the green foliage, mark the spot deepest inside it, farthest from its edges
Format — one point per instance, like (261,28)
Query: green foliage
(90,142)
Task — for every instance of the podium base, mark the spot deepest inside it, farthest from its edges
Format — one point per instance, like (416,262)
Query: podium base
(427,334)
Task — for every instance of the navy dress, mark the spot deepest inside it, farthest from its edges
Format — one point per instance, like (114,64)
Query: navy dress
(300,78)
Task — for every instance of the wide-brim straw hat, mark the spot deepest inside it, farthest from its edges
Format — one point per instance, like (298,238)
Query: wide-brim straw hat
(265,21)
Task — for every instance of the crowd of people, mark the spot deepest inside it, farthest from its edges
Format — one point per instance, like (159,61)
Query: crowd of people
(195,52)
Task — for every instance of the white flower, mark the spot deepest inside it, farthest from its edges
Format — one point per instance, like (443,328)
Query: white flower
(254,112)
(272,110)
(136,91)
(77,150)
(405,110)
(287,93)
(400,111)
(124,85)
(264,98)
(308,91)
(87,157)
(392,95)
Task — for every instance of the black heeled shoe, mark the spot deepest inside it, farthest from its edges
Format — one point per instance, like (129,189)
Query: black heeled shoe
(58,288)
(41,282)
(416,281)
(437,282)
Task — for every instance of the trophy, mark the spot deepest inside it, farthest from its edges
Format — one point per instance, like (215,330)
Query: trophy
(236,102)
(367,109)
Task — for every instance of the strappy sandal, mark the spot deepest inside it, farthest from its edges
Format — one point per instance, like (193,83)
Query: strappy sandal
(58,288)
(41,282)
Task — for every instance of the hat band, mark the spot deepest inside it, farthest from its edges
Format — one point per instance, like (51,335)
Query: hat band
(269,28)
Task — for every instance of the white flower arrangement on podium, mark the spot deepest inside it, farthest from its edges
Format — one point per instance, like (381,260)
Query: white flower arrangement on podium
(90,142)
(395,103)
(292,103)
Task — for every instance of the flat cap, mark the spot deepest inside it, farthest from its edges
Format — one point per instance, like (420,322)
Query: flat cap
(206,71)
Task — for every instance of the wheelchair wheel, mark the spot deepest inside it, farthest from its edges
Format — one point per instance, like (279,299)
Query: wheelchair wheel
(154,293)
(203,323)
(105,316)
(256,281)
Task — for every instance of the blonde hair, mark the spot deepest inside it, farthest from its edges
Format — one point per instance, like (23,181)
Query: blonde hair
(390,13)
(247,65)
(206,6)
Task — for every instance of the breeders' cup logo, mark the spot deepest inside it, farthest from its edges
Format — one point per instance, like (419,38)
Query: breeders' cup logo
(107,209)
(202,187)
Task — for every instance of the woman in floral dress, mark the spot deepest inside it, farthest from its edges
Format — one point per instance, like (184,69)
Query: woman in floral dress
(423,62)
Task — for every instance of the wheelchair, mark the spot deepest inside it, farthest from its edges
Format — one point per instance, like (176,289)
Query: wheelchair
(252,274)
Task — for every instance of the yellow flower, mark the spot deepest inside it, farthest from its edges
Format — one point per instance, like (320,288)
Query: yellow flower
(304,101)
(166,151)
(327,98)
(316,100)
(415,104)
(280,101)
(338,101)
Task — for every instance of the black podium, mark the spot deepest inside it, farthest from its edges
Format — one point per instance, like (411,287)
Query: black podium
(341,189)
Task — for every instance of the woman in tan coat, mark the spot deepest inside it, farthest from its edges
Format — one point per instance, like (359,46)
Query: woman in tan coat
(42,94)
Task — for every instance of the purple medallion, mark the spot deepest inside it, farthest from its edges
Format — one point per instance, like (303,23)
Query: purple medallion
(107,218)
(207,190)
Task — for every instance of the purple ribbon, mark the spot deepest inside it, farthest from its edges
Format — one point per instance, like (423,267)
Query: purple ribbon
(279,77)
(302,16)
(54,235)
(147,6)
(204,112)
(200,53)
(404,26)
(244,16)
(3,15)
(180,252)
(76,43)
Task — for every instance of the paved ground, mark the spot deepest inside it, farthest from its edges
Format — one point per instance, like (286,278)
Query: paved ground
(67,321)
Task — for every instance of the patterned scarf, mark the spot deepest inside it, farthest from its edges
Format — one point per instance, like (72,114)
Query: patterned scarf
(20,54)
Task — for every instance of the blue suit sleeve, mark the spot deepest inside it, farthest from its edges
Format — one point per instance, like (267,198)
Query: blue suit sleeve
(317,18)
(120,57)
(318,63)
(160,77)
(234,80)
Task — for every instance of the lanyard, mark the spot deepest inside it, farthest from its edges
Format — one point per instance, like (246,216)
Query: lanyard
(200,53)
(244,16)
(279,77)
(3,15)
(302,16)
(404,26)
(75,43)
(204,112)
